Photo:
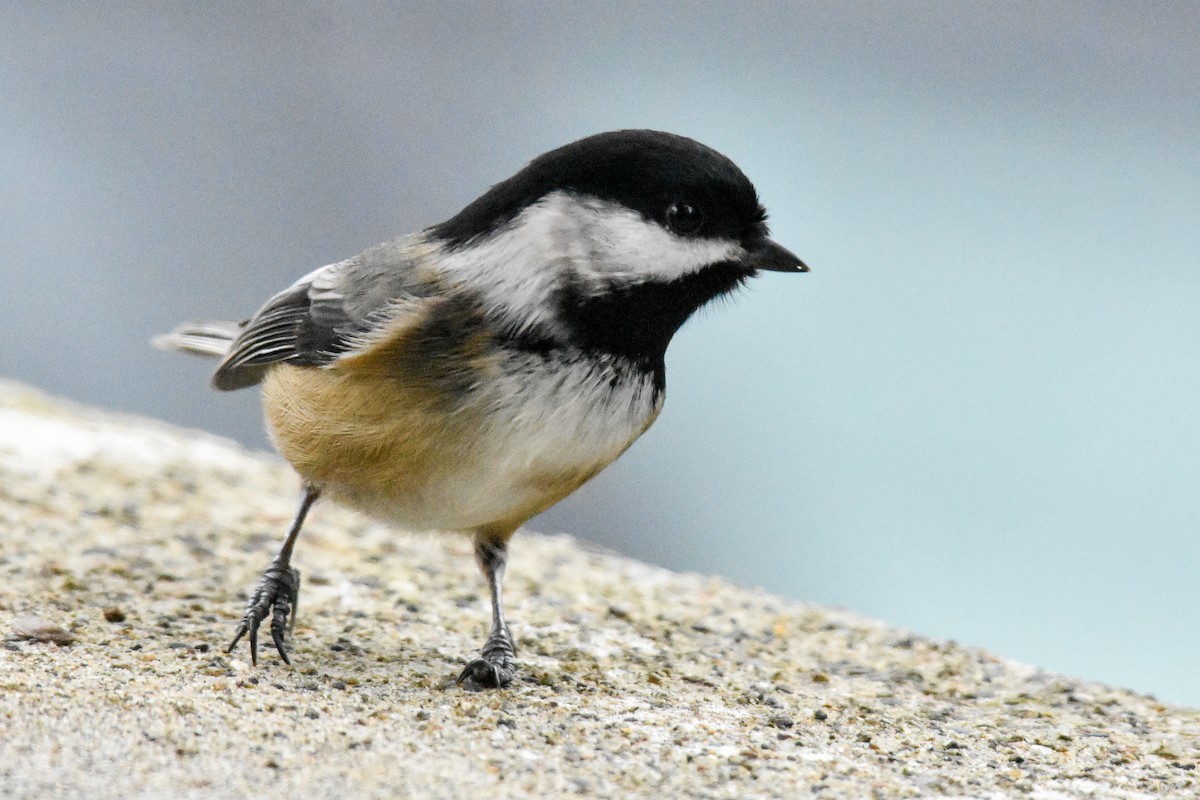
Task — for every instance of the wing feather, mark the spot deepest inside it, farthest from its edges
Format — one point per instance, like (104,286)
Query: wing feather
(327,313)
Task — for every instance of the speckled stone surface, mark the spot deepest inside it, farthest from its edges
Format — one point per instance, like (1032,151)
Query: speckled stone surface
(126,550)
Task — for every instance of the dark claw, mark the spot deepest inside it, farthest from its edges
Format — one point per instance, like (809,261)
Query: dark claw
(277,594)
(496,669)
(480,674)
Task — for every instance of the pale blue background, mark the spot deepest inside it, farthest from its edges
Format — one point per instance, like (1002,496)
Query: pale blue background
(977,416)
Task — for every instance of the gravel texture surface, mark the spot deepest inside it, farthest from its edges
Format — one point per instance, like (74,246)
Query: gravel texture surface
(127,547)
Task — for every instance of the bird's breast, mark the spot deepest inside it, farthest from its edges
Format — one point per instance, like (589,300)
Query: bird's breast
(530,429)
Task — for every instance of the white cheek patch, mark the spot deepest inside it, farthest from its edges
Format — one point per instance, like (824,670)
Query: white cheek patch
(567,237)
(518,269)
(628,247)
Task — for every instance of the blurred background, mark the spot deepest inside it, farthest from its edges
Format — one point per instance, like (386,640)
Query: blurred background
(977,417)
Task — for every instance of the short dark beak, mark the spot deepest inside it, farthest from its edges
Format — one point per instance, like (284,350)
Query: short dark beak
(768,255)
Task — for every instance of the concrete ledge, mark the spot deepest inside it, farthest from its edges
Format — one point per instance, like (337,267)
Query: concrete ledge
(126,548)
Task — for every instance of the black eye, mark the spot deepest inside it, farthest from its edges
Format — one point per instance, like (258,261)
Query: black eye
(684,218)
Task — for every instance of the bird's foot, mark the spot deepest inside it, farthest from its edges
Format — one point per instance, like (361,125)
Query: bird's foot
(497,666)
(277,593)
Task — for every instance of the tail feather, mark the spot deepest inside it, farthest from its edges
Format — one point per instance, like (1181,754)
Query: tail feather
(210,338)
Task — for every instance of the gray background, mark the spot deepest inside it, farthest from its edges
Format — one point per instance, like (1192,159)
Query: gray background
(976,417)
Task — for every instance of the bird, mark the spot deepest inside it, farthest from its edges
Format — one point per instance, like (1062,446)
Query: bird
(468,376)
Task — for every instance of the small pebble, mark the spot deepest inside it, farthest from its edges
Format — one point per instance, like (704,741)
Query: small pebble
(36,629)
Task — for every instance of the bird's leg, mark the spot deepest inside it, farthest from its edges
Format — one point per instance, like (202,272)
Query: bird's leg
(278,591)
(498,666)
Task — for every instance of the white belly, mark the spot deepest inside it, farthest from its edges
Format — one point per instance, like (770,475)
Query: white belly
(524,440)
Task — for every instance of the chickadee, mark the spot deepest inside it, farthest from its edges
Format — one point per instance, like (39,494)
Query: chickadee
(471,375)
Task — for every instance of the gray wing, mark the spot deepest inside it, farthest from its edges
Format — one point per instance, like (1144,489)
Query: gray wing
(325,313)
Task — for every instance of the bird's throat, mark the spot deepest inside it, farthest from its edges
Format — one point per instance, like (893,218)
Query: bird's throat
(636,321)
